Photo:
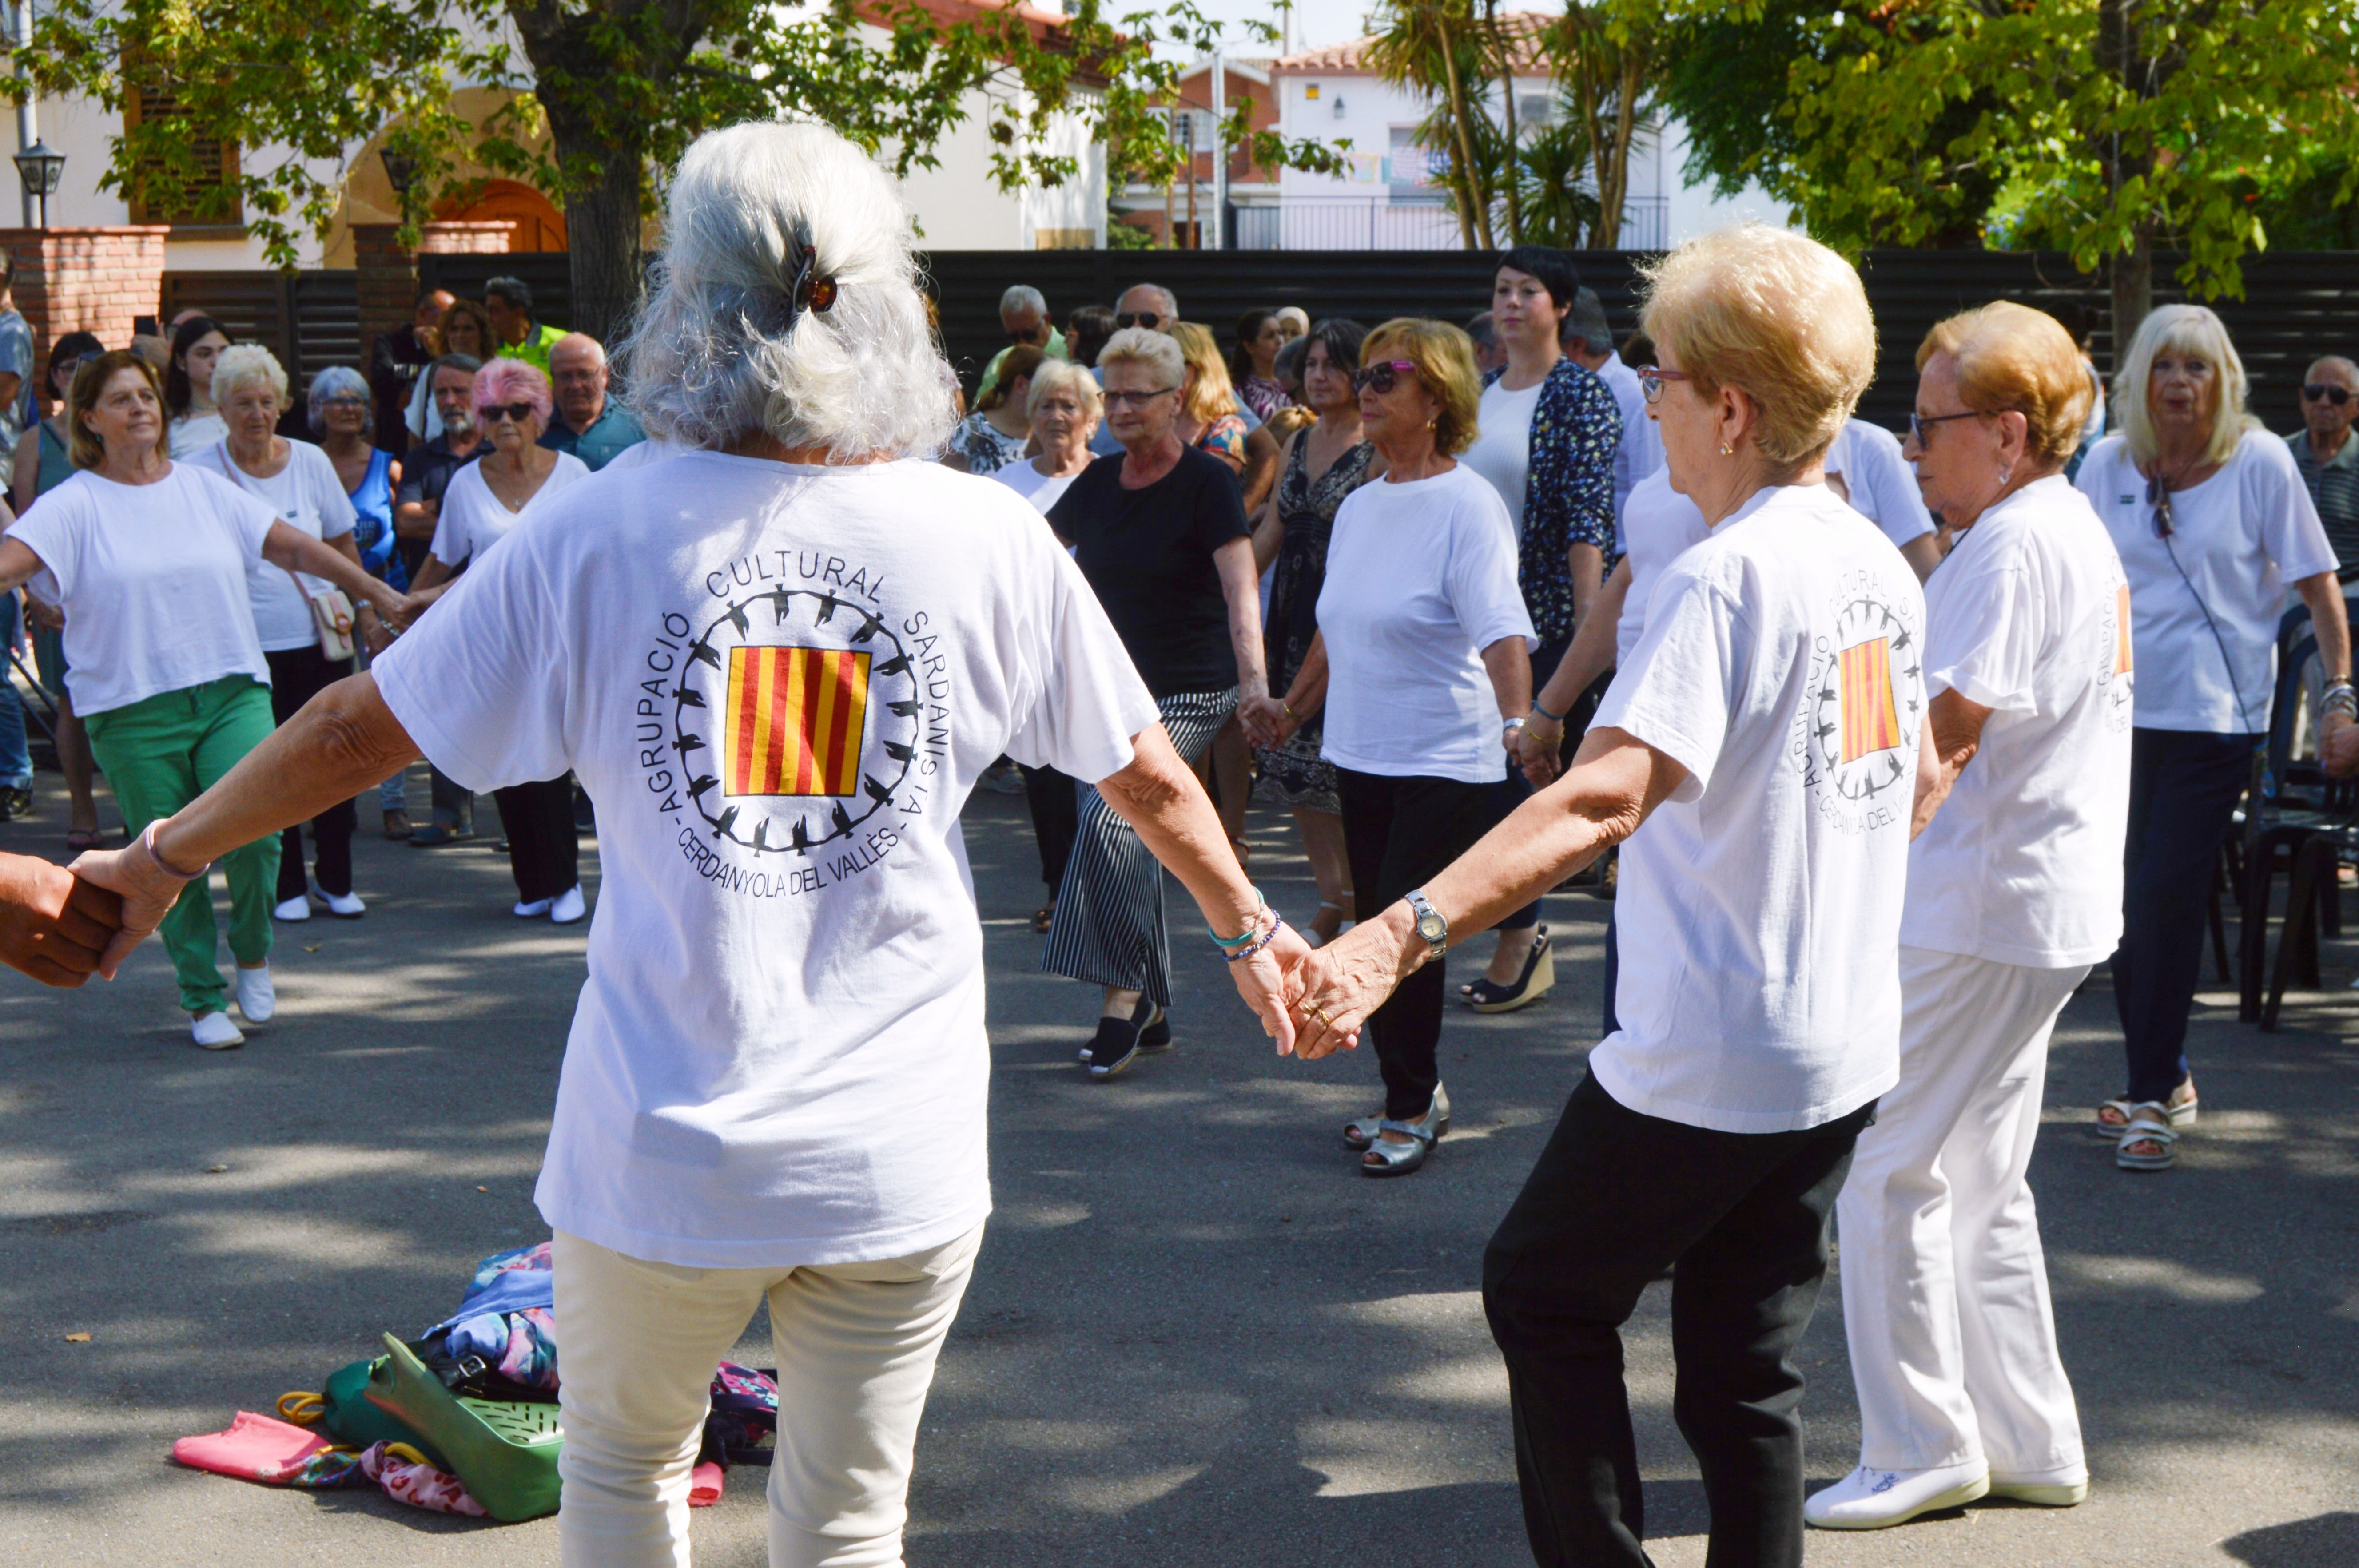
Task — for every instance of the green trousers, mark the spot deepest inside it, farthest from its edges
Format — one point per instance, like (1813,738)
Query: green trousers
(160,753)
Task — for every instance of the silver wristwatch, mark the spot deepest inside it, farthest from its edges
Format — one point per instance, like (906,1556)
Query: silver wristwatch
(1430,923)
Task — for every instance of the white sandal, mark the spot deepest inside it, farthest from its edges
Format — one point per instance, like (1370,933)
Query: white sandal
(2150,1123)
(2182,1114)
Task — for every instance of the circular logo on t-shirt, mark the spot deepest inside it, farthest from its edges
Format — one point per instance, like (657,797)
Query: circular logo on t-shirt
(1865,709)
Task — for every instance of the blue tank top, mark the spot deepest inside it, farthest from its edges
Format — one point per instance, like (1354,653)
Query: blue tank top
(373,528)
(56,463)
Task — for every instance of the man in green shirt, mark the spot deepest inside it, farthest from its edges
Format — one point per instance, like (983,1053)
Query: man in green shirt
(515,334)
(1025,314)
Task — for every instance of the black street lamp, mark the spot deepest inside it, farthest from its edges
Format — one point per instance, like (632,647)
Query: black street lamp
(401,169)
(41,168)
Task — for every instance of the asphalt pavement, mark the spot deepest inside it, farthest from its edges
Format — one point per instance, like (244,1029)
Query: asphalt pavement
(1196,1336)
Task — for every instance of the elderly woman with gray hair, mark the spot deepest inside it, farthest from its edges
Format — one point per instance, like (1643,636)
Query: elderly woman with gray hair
(780,661)
(299,482)
(1759,754)
(344,420)
(2214,525)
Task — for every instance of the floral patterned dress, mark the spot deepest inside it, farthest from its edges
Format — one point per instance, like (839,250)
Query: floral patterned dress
(1225,437)
(984,449)
(1293,773)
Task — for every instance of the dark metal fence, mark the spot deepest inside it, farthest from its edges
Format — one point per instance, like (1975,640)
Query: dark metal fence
(2297,305)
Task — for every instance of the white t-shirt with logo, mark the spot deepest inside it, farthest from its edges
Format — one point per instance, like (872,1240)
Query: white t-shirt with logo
(152,579)
(780,683)
(1501,451)
(472,519)
(1760,908)
(2029,617)
(1883,483)
(1661,525)
(1420,579)
(308,495)
(2241,537)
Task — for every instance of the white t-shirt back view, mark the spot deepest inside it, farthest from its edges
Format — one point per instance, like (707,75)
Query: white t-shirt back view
(1759,912)
(1881,483)
(2204,604)
(1420,579)
(153,581)
(305,495)
(472,519)
(780,683)
(2029,617)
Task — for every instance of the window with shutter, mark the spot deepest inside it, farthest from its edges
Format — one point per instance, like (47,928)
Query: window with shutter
(216,163)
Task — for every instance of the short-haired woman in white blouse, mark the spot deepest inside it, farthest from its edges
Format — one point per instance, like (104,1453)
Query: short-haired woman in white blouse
(2214,525)
(150,560)
(299,482)
(2014,891)
(484,501)
(780,661)
(1765,731)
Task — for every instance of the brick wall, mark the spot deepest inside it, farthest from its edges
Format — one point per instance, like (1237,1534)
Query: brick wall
(95,280)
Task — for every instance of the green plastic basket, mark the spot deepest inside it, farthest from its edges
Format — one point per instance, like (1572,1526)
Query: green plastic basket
(351,1418)
(505,1453)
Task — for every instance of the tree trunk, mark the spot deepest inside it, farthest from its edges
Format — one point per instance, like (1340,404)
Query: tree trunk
(2120,55)
(602,235)
(1474,210)
(1514,172)
(2133,289)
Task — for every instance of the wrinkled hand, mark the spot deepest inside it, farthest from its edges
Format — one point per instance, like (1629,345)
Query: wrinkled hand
(1265,720)
(2338,744)
(1340,984)
(53,925)
(395,608)
(377,636)
(1264,978)
(1539,752)
(147,892)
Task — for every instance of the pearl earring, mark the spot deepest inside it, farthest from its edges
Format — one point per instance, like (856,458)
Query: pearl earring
(1726,450)
(2006,473)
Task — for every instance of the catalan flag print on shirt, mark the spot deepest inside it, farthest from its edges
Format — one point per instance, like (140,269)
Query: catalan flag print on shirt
(1870,721)
(2122,630)
(796,719)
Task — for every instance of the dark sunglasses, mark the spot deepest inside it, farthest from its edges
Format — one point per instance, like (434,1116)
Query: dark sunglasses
(2337,395)
(2157,495)
(1033,336)
(1382,378)
(490,413)
(1146,318)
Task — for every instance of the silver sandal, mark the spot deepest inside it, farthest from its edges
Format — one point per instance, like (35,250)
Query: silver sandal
(1358,1135)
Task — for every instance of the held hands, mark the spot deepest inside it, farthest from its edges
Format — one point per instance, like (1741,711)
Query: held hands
(1335,988)
(1539,750)
(2338,743)
(41,613)
(54,926)
(145,889)
(1265,980)
(1267,723)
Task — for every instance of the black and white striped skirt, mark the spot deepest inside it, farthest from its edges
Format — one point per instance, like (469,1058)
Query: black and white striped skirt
(1108,928)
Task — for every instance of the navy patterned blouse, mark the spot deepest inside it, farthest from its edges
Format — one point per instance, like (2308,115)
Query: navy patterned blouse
(1568,497)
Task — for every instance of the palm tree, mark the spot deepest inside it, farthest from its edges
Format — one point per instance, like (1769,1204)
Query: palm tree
(1434,47)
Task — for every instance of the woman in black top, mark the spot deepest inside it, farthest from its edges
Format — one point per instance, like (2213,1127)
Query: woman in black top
(1161,535)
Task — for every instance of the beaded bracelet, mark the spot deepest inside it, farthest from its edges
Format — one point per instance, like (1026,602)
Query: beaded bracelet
(1229,944)
(1276,922)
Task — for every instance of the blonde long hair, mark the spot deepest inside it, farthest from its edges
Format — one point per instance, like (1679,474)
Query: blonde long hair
(2187,329)
(1213,395)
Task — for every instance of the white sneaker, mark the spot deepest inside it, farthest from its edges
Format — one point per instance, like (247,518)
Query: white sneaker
(256,998)
(2047,1488)
(214,1031)
(568,906)
(343,906)
(532,910)
(1873,1500)
(294,908)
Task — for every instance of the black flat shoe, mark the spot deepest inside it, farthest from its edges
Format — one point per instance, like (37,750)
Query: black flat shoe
(1114,1048)
(1154,1026)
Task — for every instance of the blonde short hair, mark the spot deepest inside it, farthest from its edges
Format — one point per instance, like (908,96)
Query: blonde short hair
(1775,315)
(1214,395)
(2013,358)
(1444,358)
(244,366)
(1060,375)
(1139,346)
(2186,329)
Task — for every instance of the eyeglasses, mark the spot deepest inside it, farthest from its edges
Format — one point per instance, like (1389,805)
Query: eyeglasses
(493,413)
(1133,399)
(1382,378)
(1651,380)
(346,402)
(2337,395)
(1146,318)
(1917,422)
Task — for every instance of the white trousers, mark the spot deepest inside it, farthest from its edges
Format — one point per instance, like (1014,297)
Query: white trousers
(638,1342)
(1944,1285)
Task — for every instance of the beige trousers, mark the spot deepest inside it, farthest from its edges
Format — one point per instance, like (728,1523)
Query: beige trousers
(857,1344)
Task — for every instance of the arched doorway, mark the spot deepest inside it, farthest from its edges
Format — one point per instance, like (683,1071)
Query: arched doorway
(539,226)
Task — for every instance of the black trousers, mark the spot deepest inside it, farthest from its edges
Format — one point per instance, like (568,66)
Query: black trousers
(1616,1198)
(1056,819)
(2183,791)
(1398,832)
(296,675)
(1516,789)
(544,846)
(1613,972)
